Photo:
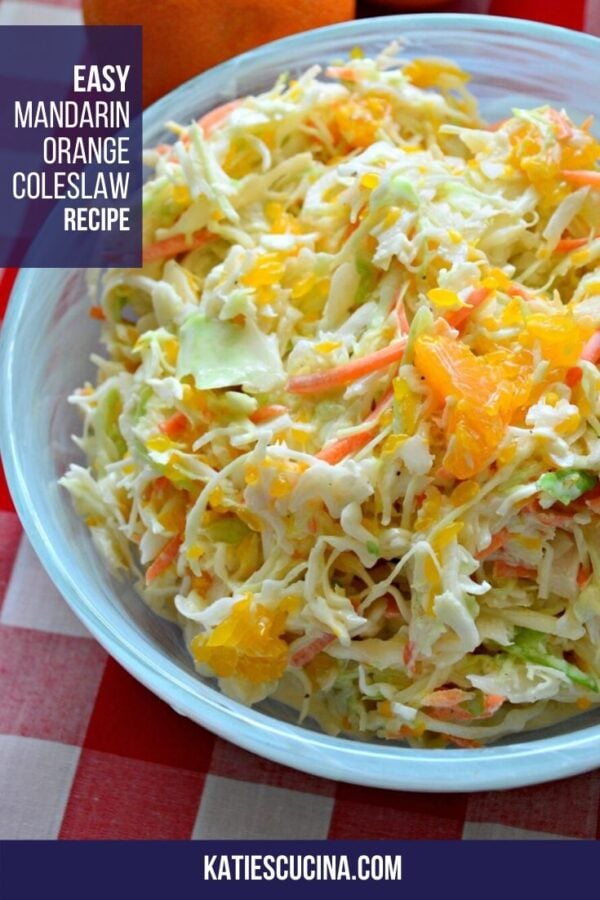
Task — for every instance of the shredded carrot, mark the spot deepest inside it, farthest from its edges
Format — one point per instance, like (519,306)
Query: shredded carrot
(587,123)
(583,576)
(565,245)
(164,558)
(498,540)
(445,698)
(173,246)
(339,376)
(463,743)
(517,290)
(343,72)
(561,123)
(405,731)
(477,296)
(96,312)
(403,326)
(336,451)
(408,655)
(264,413)
(350,229)
(507,570)
(591,351)
(445,706)
(573,376)
(582,177)
(391,608)
(492,703)
(209,121)
(174,424)
(167,149)
(307,653)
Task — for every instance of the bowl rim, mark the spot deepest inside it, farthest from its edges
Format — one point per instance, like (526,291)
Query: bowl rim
(369,764)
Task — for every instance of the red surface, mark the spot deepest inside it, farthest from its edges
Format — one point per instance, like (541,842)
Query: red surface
(549,808)
(553,12)
(10,535)
(362,813)
(132,722)
(5,498)
(231,762)
(115,797)
(7,279)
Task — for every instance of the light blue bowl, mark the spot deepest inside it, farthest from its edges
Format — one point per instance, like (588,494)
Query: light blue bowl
(46,343)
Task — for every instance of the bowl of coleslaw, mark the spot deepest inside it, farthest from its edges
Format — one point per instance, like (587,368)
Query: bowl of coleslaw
(340,432)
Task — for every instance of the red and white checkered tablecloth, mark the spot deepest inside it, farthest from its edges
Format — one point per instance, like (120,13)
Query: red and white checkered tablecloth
(87,752)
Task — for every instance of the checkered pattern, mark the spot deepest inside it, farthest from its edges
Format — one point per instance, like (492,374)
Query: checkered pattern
(87,752)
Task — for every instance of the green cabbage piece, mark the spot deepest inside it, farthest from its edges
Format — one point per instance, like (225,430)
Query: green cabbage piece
(530,645)
(110,443)
(229,530)
(222,354)
(565,485)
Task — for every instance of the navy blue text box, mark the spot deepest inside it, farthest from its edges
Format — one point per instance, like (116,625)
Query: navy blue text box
(430,869)
(70,146)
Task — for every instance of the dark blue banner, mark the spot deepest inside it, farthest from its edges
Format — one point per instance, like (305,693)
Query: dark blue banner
(272,869)
(70,146)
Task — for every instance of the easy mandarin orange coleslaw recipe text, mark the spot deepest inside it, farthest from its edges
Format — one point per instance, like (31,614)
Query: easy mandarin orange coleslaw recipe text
(347,429)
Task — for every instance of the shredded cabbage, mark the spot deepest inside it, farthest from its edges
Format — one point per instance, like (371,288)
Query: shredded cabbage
(347,431)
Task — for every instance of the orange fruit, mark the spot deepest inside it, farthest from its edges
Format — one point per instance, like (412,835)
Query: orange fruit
(184,37)
(486,392)
(247,644)
(560,336)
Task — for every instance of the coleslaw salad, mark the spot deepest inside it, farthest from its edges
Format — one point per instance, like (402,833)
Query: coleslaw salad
(347,430)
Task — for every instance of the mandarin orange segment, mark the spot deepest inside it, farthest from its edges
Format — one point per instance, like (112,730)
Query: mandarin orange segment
(473,435)
(247,644)
(450,367)
(560,337)
(581,154)
(357,123)
(485,392)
